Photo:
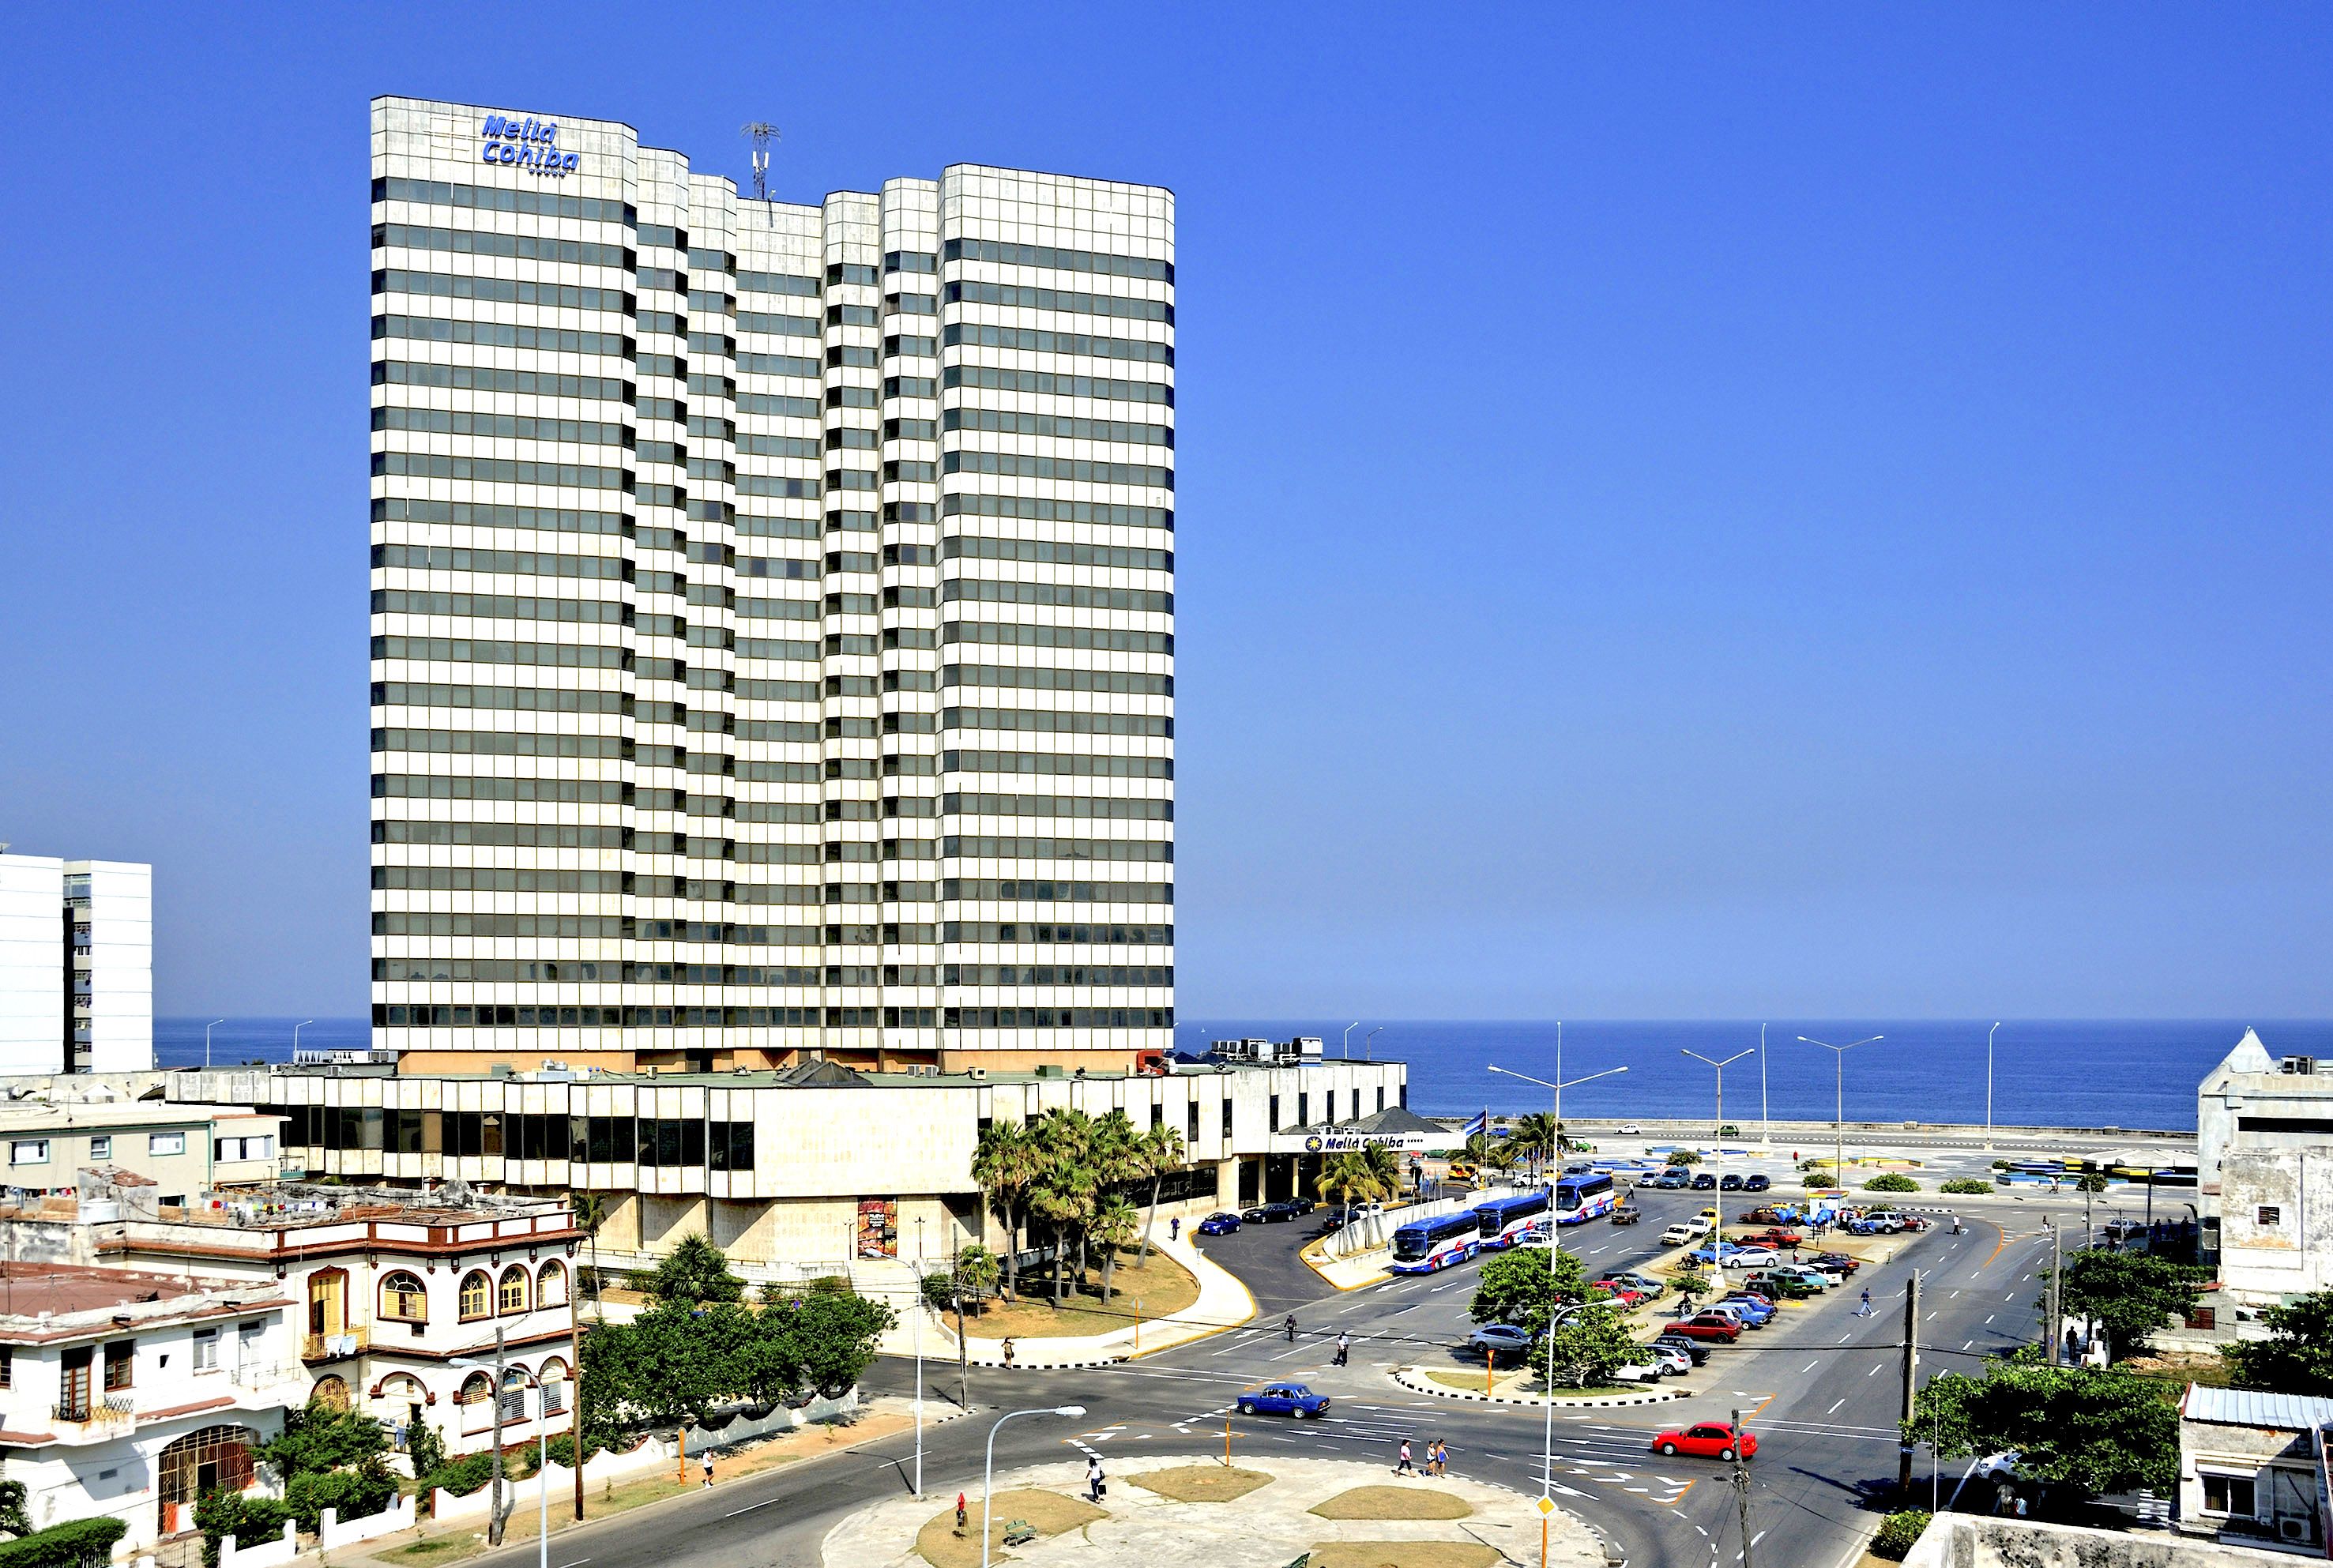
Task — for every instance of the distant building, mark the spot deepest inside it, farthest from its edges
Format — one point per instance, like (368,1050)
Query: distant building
(2264,1131)
(132,1393)
(50,1146)
(2251,1467)
(76,966)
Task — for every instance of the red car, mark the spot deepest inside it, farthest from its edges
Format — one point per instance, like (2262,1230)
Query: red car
(1706,1440)
(1782,1241)
(1621,1294)
(1707,1326)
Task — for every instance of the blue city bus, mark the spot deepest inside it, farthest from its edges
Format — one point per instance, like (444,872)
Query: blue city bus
(1581,1199)
(1425,1245)
(1504,1219)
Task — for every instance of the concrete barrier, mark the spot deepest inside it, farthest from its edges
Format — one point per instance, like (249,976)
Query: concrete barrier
(331,1533)
(272,1555)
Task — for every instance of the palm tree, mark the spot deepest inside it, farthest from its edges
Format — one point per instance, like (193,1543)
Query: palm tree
(1162,1153)
(1536,1135)
(1358,1175)
(590,1212)
(1006,1163)
(1066,1184)
(1113,1226)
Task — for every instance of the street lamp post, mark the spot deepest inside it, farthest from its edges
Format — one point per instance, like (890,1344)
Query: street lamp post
(1558,1086)
(988,1471)
(920,1310)
(542,1440)
(1349,1038)
(1838,1114)
(1765,1120)
(1721,1068)
(1988,1086)
(1717,1232)
(302,1024)
(206,1041)
(1367,1039)
(1547,1440)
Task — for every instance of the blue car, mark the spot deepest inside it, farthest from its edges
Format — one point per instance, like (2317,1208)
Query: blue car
(1705,1253)
(1219,1224)
(1283,1399)
(1757,1309)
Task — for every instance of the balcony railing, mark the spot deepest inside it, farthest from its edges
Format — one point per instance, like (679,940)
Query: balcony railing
(72,1410)
(98,1410)
(333,1346)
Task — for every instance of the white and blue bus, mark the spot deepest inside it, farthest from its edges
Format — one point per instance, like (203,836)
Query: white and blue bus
(1581,1199)
(1506,1218)
(1425,1245)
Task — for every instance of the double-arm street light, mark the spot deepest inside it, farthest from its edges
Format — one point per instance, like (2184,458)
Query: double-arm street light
(1555,1164)
(1838,1114)
(988,1471)
(1721,1068)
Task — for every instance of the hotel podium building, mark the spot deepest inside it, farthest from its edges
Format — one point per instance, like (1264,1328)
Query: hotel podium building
(772,611)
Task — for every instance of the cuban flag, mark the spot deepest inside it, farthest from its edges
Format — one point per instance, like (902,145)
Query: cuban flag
(1479,1122)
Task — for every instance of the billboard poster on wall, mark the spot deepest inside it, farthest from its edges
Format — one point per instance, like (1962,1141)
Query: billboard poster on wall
(879,1227)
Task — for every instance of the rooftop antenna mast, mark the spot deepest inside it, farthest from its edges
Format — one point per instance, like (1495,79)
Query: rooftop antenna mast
(763,133)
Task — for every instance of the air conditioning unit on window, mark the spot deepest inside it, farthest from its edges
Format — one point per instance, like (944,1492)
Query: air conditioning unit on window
(2291,1529)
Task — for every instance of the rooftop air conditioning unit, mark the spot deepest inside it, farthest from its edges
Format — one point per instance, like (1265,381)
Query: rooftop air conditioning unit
(2305,1067)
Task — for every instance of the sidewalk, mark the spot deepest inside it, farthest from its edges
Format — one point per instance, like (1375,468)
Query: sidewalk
(1363,1269)
(1223,1303)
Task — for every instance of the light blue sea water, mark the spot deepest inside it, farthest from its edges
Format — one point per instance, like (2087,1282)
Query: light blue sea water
(2065,1073)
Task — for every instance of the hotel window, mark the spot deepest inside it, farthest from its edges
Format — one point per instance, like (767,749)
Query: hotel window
(101,1147)
(29,1151)
(166,1143)
(2228,1493)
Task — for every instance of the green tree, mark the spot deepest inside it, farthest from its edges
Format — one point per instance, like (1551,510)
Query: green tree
(2297,1356)
(2129,1295)
(975,1274)
(1162,1154)
(681,1361)
(1535,1137)
(1006,1163)
(1524,1287)
(834,1335)
(13,1517)
(425,1447)
(2092,1429)
(1115,1225)
(695,1271)
(320,1438)
(1068,1183)
(1371,1173)
(1587,1347)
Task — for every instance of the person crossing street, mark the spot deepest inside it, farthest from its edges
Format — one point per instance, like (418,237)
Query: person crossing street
(1344,1348)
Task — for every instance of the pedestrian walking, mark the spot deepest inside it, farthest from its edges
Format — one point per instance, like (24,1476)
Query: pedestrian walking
(1344,1347)
(1093,1479)
(1405,1467)
(961,1517)
(1290,1326)
(1008,1352)
(708,1469)
(1438,1456)
(1175,1229)
(1865,1310)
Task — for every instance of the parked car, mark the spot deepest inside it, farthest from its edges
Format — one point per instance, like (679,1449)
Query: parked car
(1756,1257)
(1763,1217)
(1691,1349)
(1756,1181)
(1219,1224)
(1302,1205)
(1266,1213)
(1635,1280)
(1847,1263)
(1704,1181)
(1678,1235)
(1630,1130)
(1620,1294)
(1754,1309)
(1778,1287)
(1675,1361)
(1707,1326)
(1499,1339)
(1672,1179)
(1776,1236)
(1814,1276)
(1714,1252)
(1706,1440)
(1729,1182)
(1283,1399)
(1331,1223)
(1460,1170)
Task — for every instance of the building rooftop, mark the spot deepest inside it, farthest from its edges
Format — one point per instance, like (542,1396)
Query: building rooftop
(830,1074)
(2256,1408)
(40,1299)
(40,1116)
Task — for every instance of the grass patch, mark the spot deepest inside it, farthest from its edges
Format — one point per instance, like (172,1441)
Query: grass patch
(943,1546)
(1201,1483)
(1165,1286)
(1523,1383)
(1402,1555)
(437,1547)
(1393,1502)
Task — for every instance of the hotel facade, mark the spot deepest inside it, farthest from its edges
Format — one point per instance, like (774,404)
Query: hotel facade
(772,611)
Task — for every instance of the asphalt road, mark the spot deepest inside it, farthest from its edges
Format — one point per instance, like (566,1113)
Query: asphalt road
(1820,1387)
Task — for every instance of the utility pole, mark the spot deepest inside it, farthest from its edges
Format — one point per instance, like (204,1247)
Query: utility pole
(500,1505)
(2049,1329)
(575,1352)
(1741,1489)
(1911,1384)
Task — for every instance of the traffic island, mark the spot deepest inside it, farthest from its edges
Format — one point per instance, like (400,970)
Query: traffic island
(1202,1482)
(1344,1513)
(1521,1389)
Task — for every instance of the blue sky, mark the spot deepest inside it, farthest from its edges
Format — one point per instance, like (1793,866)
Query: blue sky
(1685,510)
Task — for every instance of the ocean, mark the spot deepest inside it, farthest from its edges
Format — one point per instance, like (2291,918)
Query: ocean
(2058,1073)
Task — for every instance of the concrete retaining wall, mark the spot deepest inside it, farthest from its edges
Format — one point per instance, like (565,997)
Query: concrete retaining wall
(1966,1541)
(266,1555)
(331,1533)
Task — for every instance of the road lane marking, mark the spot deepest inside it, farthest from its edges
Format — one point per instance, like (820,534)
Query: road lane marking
(1810,1367)
(1834,1409)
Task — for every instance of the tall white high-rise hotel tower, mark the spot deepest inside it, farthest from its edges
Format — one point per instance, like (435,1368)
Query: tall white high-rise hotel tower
(773,609)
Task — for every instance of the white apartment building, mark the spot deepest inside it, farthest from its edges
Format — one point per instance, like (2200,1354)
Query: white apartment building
(76,966)
(773,617)
(132,1393)
(2264,1172)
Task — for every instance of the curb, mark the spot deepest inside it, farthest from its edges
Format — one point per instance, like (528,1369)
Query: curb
(1022,1365)
(1600,1401)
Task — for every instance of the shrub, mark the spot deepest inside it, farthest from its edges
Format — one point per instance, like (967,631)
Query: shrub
(251,1520)
(461,1477)
(1891,1182)
(1684,1156)
(354,1494)
(67,1546)
(2004,1165)
(830,1284)
(562,1448)
(1895,1537)
(1971,1184)
(424,1448)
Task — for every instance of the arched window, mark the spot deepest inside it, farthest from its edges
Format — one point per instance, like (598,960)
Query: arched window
(404,1299)
(552,1379)
(478,1295)
(476,1399)
(476,1387)
(512,1297)
(551,1285)
(331,1392)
